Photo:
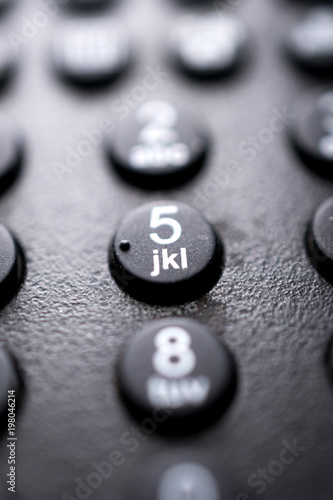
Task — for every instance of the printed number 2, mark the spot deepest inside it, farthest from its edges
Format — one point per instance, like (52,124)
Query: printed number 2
(161,118)
(156,220)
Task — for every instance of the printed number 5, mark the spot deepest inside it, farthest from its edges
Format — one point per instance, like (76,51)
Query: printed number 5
(156,221)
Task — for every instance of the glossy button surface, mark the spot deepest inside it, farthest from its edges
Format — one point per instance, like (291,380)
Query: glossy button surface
(208,45)
(11,266)
(182,475)
(157,146)
(321,238)
(188,479)
(11,152)
(166,252)
(7,60)
(310,42)
(312,130)
(91,51)
(179,371)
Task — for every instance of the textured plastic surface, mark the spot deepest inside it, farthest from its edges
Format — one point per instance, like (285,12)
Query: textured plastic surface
(70,321)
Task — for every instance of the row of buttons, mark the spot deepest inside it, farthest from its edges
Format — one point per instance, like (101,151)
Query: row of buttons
(202,45)
(175,372)
(167,253)
(94,51)
(161,147)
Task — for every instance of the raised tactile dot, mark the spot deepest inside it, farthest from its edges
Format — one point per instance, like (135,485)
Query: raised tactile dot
(208,45)
(320,239)
(159,146)
(124,245)
(310,42)
(174,255)
(312,131)
(177,367)
(11,152)
(11,266)
(91,51)
(9,387)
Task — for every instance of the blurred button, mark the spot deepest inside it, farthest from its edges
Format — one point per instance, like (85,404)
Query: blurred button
(87,4)
(190,481)
(158,147)
(177,367)
(321,239)
(11,152)
(91,51)
(312,130)
(6,61)
(310,42)
(181,475)
(208,45)
(11,266)
(9,387)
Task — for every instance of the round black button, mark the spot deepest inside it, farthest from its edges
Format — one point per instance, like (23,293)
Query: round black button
(208,45)
(11,152)
(310,42)
(177,373)
(91,51)
(9,381)
(312,131)
(182,476)
(158,147)
(321,239)
(166,252)
(11,266)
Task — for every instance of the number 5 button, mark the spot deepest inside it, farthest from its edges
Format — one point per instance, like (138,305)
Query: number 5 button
(166,253)
(176,371)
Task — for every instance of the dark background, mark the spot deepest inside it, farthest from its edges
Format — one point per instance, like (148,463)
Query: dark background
(69,322)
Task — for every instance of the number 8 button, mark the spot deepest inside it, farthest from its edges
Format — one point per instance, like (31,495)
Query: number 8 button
(176,370)
(166,253)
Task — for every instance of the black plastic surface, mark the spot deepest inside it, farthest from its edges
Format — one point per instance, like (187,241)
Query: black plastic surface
(70,321)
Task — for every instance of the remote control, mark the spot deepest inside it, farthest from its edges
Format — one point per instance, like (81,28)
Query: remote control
(166,255)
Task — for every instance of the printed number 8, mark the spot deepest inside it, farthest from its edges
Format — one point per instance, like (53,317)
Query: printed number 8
(173,357)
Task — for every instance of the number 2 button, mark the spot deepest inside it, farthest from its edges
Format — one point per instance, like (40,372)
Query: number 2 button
(158,147)
(166,253)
